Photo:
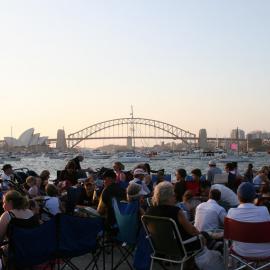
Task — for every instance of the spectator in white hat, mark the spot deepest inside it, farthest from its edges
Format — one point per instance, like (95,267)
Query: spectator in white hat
(213,169)
(139,175)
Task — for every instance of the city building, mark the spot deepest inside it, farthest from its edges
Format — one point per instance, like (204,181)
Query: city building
(203,139)
(241,134)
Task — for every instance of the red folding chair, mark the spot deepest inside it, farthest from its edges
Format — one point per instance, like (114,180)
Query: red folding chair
(246,232)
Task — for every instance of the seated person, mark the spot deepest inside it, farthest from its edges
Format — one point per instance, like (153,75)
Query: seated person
(136,193)
(228,198)
(68,177)
(52,204)
(180,185)
(16,212)
(88,195)
(6,176)
(209,215)
(189,204)
(164,206)
(111,190)
(248,212)
(33,190)
(194,184)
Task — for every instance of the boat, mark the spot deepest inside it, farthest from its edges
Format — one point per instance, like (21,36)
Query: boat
(234,158)
(97,154)
(132,157)
(159,155)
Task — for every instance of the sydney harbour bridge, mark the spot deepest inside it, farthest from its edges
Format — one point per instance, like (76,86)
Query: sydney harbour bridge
(135,128)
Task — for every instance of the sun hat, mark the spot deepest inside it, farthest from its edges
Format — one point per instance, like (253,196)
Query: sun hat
(139,172)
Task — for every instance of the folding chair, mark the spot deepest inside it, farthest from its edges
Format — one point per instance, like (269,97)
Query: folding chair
(127,218)
(30,247)
(246,232)
(78,236)
(166,241)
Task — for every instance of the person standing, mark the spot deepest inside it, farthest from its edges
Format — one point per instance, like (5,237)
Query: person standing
(212,171)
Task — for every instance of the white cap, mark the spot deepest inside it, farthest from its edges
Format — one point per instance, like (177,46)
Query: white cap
(212,163)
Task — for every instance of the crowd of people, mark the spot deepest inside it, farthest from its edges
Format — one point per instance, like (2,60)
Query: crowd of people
(195,202)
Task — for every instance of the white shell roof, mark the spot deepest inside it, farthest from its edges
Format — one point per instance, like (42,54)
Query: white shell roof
(42,140)
(26,136)
(34,140)
(10,141)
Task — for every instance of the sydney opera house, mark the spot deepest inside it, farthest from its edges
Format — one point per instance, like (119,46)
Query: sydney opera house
(26,140)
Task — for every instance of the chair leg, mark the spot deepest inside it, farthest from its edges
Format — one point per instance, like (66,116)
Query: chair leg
(152,263)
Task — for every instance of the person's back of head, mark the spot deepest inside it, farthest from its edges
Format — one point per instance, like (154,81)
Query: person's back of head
(197,173)
(51,190)
(31,181)
(246,193)
(188,195)
(215,194)
(7,168)
(18,201)
(44,175)
(182,173)
(163,194)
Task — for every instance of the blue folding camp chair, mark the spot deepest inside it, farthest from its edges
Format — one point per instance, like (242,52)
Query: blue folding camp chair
(127,218)
(30,247)
(79,236)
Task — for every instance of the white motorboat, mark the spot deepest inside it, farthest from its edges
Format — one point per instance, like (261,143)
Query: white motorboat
(131,157)
(97,154)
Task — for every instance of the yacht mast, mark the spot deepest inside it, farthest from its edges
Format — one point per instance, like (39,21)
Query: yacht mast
(132,129)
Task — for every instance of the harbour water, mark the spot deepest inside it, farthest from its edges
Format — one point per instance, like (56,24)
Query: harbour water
(44,163)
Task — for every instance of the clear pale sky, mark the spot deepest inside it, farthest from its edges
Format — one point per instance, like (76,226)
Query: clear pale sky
(194,64)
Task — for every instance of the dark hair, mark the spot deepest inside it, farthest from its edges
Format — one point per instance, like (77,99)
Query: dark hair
(18,200)
(147,168)
(6,167)
(109,173)
(182,173)
(197,172)
(205,185)
(215,194)
(44,175)
(120,165)
(51,190)
(229,166)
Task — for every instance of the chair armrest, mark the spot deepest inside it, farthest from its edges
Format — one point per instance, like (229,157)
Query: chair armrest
(195,238)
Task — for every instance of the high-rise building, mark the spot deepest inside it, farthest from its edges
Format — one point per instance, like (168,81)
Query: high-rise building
(241,134)
(61,142)
(203,139)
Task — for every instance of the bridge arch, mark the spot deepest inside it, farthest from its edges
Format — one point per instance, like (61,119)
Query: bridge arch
(172,131)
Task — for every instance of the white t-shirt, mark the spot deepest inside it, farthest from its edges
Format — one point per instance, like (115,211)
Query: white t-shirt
(227,195)
(248,212)
(209,215)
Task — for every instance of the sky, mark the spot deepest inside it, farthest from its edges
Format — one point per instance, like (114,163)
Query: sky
(194,64)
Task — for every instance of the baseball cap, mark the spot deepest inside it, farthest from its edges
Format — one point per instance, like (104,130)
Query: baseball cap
(139,172)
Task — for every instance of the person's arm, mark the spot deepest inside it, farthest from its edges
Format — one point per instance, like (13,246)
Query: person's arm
(4,221)
(188,227)
(102,208)
(221,217)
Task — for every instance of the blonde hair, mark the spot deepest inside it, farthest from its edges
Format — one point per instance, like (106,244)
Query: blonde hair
(18,200)
(162,193)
